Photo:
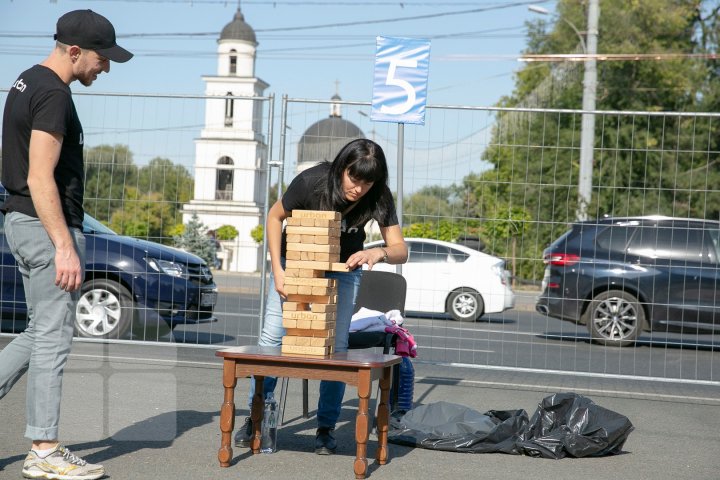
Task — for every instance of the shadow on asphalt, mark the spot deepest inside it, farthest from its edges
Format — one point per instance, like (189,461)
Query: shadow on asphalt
(656,341)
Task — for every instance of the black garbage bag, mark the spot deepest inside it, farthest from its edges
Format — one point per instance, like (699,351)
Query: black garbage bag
(573,425)
(564,424)
(456,428)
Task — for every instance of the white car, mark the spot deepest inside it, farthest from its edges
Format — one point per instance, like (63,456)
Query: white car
(444,277)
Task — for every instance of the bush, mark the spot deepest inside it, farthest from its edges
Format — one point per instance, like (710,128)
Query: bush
(226,232)
(258,234)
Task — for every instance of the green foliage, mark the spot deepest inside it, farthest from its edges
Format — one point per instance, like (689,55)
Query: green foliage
(195,240)
(120,194)
(258,234)
(143,215)
(226,232)
(642,164)
(446,230)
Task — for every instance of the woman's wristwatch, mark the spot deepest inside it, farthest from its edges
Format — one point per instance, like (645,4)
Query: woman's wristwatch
(385,255)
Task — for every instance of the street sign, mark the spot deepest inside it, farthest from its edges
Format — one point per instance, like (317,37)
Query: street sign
(400,83)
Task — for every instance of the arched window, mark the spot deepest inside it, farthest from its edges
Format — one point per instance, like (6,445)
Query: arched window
(229,107)
(224,179)
(233,62)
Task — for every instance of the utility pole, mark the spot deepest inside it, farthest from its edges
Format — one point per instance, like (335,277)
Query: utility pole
(587,134)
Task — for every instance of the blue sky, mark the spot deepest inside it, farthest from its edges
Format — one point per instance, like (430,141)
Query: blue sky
(472,64)
(473,54)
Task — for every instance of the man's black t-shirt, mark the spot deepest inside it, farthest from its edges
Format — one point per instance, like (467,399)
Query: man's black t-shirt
(302,195)
(40,100)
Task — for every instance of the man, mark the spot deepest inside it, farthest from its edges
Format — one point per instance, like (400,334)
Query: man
(42,141)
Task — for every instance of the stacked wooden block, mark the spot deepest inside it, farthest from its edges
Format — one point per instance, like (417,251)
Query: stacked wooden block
(313,248)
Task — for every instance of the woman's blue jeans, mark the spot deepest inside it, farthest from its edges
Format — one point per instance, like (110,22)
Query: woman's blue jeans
(331,393)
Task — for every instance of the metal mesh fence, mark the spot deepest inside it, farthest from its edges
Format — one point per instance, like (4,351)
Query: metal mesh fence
(502,182)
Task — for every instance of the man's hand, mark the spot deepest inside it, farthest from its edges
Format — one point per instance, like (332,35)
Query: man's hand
(68,268)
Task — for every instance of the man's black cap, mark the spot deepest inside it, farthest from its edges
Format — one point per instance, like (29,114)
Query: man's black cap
(92,31)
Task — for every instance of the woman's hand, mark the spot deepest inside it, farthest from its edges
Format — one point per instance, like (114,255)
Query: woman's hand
(279,277)
(365,257)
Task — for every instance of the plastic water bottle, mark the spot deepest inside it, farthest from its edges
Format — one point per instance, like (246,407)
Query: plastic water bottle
(268,440)
(406,385)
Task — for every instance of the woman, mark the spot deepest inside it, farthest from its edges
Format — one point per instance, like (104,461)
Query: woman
(354,184)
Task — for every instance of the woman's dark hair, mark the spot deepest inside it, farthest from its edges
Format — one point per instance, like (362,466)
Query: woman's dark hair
(364,160)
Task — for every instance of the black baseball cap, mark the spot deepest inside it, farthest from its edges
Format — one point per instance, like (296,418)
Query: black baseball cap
(90,30)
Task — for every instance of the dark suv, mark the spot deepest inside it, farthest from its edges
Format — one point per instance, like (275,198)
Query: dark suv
(130,285)
(620,276)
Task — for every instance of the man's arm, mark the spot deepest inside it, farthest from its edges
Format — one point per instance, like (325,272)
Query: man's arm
(44,156)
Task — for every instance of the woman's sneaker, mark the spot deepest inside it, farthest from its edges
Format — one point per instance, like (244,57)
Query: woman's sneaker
(60,464)
(244,435)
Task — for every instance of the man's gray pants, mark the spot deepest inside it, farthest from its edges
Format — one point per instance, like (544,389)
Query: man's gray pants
(42,349)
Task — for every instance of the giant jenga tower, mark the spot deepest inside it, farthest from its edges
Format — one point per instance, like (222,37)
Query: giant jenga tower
(313,248)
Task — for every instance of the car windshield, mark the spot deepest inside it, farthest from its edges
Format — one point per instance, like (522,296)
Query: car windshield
(91,225)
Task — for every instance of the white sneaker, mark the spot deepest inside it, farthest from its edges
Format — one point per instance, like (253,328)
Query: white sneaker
(60,464)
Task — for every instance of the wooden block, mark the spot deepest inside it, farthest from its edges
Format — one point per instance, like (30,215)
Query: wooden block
(302,265)
(295,256)
(293,289)
(321,222)
(308,341)
(295,307)
(303,332)
(313,298)
(323,307)
(324,316)
(319,325)
(293,238)
(311,247)
(289,323)
(322,291)
(315,351)
(322,256)
(338,267)
(316,214)
(318,239)
(300,230)
(305,324)
(313,222)
(304,272)
(313,282)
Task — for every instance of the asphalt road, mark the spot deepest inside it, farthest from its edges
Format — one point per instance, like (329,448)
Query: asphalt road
(517,339)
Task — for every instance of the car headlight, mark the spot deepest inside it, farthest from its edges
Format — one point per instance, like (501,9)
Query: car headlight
(174,269)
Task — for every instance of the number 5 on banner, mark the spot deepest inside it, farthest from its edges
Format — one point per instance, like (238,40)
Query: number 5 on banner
(400,85)
(399,82)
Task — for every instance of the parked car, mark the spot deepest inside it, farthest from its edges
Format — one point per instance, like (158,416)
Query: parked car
(621,276)
(444,277)
(130,284)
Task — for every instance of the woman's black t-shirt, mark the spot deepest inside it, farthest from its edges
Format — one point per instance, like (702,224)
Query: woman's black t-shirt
(302,195)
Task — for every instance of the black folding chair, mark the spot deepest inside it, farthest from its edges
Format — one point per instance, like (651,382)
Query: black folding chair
(381,291)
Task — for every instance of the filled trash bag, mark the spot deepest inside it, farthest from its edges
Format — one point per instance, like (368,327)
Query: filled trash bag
(573,425)
(564,424)
(456,428)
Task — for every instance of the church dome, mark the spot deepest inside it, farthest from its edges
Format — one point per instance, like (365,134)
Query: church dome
(323,139)
(238,30)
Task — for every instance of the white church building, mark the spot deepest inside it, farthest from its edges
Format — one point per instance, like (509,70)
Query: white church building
(231,152)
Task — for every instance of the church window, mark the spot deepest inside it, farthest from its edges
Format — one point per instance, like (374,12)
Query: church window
(224,179)
(229,107)
(233,62)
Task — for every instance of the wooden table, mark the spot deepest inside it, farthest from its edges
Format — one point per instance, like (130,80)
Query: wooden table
(357,368)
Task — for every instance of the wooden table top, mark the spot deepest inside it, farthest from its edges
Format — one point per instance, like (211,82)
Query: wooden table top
(353,358)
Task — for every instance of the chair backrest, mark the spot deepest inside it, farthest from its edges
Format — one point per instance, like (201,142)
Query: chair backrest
(382,291)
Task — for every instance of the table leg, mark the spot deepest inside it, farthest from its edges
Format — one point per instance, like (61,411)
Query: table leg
(364,387)
(383,416)
(227,413)
(256,413)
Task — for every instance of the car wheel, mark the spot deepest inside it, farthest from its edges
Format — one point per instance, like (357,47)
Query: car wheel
(614,318)
(104,310)
(465,305)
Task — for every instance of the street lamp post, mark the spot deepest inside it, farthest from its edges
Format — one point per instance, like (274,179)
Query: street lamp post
(587,133)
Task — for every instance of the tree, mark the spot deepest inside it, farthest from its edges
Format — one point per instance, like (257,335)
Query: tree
(195,240)
(143,215)
(643,164)
(108,170)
